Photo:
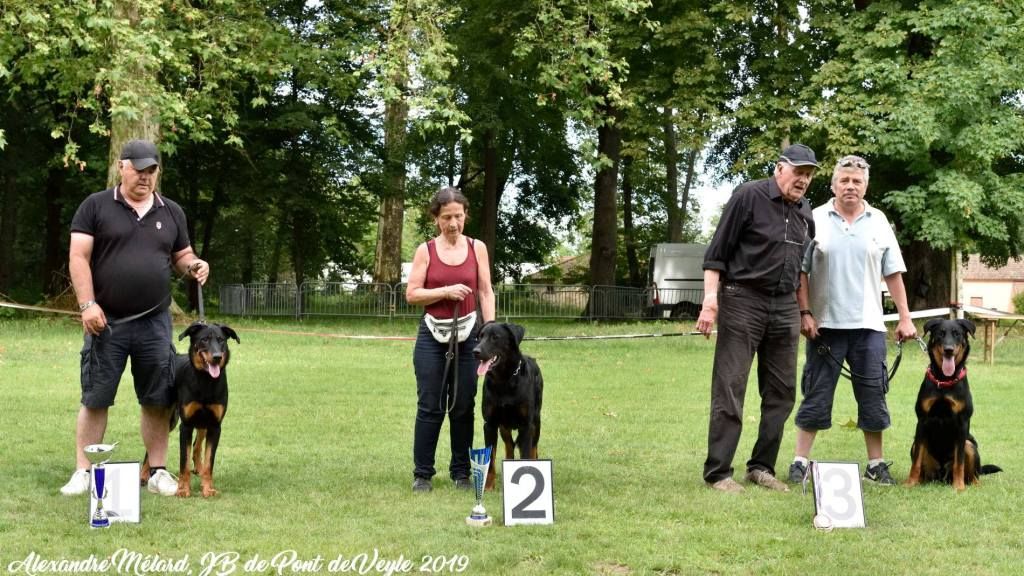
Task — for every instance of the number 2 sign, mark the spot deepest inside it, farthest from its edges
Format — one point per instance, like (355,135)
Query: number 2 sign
(527,492)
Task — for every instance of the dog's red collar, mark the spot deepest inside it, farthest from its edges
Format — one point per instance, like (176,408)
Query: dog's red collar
(947,383)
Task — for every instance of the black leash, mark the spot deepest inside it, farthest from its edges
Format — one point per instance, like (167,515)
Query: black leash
(199,295)
(162,304)
(449,356)
(849,374)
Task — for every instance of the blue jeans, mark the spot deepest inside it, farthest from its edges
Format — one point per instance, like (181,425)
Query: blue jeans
(435,398)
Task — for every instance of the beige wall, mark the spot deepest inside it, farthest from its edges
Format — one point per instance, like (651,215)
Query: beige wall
(996,294)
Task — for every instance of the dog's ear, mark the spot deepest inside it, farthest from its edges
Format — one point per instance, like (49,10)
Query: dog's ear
(517,332)
(192,329)
(931,324)
(966,325)
(228,332)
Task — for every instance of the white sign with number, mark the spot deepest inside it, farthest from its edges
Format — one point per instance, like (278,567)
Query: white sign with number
(837,493)
(121,501)
(527,492)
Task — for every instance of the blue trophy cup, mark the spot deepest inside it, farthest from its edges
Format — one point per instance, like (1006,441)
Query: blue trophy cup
(479,460)
(99,454)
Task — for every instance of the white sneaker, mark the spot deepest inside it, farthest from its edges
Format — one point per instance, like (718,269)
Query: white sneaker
(162,482)
(78,484)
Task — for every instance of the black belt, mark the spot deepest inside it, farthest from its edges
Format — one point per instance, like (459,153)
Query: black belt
(759,290)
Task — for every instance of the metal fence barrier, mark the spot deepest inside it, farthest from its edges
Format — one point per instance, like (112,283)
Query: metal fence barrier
(511,301)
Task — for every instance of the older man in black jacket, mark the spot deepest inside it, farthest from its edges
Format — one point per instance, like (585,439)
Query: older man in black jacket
(751,274)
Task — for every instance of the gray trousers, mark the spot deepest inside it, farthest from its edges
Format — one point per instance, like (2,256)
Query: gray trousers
(749,323)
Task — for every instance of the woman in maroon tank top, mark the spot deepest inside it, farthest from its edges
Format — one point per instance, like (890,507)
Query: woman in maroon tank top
(450,275)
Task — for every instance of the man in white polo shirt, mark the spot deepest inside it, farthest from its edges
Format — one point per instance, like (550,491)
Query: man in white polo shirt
(840,302)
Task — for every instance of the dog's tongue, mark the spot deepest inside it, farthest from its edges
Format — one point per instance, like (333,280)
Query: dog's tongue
(948,365)
(484,366)
(214,370)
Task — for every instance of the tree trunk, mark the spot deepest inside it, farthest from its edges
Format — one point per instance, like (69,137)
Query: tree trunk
(927,276)
(8,229)
(191,202)
(387,265)
(675,225)
(56,256)
(627,222)
(605,228)
(219,196)
(273,270)
(489,204)
(135,87)
(684,207)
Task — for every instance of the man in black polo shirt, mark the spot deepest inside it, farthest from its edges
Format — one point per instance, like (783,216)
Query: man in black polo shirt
(751,273)
(124,243)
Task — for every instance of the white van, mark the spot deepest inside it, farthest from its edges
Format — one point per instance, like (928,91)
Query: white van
(675,280)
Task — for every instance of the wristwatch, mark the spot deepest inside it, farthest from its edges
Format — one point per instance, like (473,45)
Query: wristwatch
(806,313)
(84,305)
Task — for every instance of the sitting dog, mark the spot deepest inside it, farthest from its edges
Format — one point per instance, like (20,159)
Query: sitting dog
(201,380)
(944,449)
(513,390)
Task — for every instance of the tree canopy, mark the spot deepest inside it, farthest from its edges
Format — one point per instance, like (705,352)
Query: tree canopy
(302,137)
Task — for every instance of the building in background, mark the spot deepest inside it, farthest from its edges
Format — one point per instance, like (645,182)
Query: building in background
(993,288)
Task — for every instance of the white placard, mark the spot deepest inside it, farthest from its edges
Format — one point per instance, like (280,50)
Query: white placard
(527,492)
(837,493)
(122,487)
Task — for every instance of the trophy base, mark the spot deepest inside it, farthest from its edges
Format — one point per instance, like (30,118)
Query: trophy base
(478,521)
(98,523)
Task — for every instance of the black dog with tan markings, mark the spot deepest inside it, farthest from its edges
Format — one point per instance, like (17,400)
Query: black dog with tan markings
(513,392)
(944,449)
(201,379)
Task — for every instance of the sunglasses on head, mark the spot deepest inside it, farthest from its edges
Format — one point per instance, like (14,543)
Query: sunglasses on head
(854,162)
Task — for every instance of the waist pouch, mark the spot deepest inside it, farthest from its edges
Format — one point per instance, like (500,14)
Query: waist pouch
(442,329)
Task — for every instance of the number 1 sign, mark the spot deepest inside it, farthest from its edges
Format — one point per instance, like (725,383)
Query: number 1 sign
(527,492)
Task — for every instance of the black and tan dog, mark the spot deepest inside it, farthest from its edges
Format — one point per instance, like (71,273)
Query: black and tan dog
(944,449)
(201,380)
(513,392)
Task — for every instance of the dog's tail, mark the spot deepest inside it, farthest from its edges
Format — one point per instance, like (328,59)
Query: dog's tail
(989,469)
(174,419)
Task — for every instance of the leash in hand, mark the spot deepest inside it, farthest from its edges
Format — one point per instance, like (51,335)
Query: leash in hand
(849,374)
(199,293)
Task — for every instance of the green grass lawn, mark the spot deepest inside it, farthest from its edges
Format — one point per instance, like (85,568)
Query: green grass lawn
(316,458)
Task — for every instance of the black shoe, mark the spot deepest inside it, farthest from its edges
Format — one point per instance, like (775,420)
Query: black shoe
(463,484)
(879,474)
(797,473)
(420,484)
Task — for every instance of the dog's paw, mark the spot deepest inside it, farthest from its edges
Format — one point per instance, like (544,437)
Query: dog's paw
(183,493)
(209,492)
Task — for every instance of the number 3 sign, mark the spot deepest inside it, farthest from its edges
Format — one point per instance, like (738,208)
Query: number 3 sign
(527,492)
(837,493)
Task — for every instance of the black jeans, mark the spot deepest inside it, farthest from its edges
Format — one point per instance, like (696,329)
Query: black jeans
(435,398)
(750,323)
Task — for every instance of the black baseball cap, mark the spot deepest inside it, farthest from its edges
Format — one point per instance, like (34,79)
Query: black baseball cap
(799,155)
(142,153)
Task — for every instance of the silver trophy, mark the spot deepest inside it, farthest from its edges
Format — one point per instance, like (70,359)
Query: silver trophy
(99,454)
(479,460)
